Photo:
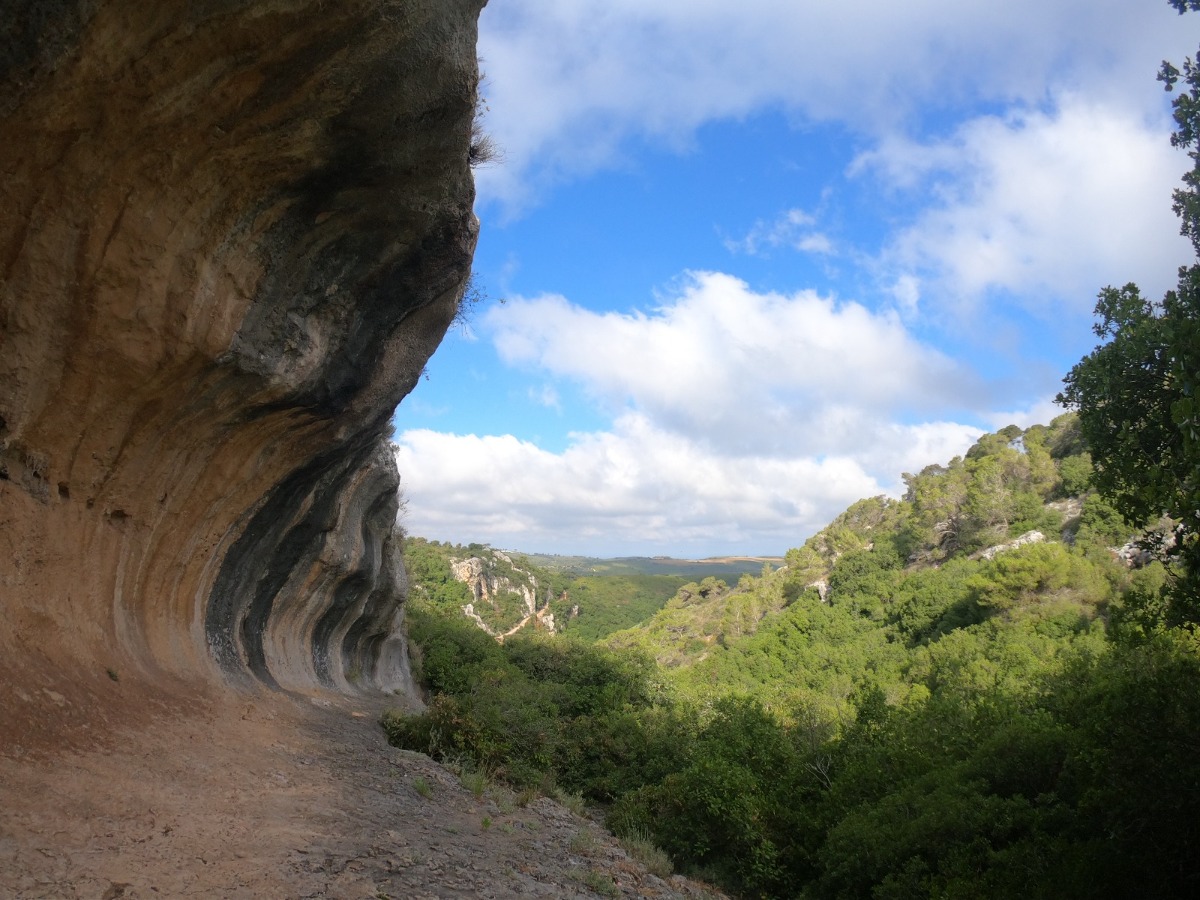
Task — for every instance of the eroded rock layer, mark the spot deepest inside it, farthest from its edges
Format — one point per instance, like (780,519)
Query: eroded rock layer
(231,234)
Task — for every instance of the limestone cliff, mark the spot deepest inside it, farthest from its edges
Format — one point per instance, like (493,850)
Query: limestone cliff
(231,235)
(504,596)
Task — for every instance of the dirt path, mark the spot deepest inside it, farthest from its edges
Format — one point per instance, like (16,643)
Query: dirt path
(273,797)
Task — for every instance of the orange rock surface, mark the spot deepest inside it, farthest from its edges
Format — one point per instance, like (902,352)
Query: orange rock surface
(231,235)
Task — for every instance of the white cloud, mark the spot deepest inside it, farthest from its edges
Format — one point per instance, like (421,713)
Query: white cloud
(571,81)
(736,369)
(794,229)
(639,489)
(1043,206)
(546,396)
(906,291)
(741,421)
(634,489)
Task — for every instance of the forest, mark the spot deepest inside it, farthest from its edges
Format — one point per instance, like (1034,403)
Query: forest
(971,690)
(989,687)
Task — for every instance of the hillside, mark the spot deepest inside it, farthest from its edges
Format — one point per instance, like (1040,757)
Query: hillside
(501,593)
(504,592)
(873,561)
(729,568)
(964,692)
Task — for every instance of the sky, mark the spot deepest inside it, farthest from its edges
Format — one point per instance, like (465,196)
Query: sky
(745,263)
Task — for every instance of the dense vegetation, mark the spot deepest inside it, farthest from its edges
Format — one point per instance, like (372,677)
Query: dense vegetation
(984,689)
(946,721)
(594,606)
(1137,394)
(587,606)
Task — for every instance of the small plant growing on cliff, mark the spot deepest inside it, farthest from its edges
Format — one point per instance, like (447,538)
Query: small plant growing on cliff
(472,296)
(596,881)
(474,781)
(583,842)
(571,800)
(639,844)
(483,147)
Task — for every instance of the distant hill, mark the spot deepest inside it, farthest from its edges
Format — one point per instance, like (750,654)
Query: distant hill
(587,597)
(729,568)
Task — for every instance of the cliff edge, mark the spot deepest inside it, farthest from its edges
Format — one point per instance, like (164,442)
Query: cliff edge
(231,235)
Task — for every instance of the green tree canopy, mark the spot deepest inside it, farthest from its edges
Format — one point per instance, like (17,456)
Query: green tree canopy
(1136,394)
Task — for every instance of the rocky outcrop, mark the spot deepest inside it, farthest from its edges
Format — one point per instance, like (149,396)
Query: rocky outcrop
(1029,537)
(504,596)
(486,581)
(231,235)
(494,582)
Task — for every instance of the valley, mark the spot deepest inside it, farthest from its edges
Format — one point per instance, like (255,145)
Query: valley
(918,696)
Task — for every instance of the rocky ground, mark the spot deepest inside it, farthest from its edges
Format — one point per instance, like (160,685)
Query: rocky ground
(275,797)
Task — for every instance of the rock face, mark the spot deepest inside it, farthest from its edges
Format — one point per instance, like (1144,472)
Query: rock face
(489,580)
(1029,537)
(486,582)
(231,235)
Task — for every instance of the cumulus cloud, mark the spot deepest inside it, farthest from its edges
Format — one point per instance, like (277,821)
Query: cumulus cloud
(741,421)
(570,82)
(1048,206)
(638,489)
(734,368)
(635,489)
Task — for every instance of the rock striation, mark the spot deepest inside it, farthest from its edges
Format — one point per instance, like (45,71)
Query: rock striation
(231,235)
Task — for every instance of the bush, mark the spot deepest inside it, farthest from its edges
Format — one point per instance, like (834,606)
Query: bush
(539,712)
(1076,474)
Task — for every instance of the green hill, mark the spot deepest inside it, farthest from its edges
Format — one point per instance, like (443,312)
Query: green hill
(587,597)
(725,567)
(968,691)
(889,574)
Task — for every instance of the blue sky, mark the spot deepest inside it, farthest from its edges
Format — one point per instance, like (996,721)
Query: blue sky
(759,258)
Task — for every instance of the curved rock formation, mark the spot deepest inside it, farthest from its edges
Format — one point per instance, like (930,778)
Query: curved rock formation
(231,235)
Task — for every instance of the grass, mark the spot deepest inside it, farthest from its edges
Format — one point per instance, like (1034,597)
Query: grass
(597,881)
(638,844)
(527,796)
(573,802)
(421,786)
(583,842)
(474,781)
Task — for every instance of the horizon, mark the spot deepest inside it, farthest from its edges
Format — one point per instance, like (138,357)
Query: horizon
(750,557)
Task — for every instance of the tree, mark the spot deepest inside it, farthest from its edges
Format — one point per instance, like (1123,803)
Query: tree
(1136,394)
